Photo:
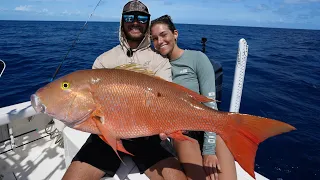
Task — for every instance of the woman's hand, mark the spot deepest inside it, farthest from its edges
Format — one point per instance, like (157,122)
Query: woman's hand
(211,166)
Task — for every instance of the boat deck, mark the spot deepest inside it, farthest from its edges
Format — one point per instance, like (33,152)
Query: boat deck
(41,159)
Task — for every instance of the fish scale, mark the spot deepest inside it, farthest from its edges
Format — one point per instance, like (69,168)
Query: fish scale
(142,109)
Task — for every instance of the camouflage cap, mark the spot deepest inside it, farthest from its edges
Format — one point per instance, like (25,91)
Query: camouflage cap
(135,5)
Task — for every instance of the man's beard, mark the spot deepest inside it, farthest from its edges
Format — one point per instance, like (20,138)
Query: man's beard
(134,38)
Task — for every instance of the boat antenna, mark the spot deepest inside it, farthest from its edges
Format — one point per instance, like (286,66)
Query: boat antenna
(74,42)
(203,42)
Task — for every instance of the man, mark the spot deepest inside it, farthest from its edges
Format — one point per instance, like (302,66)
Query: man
(96,158)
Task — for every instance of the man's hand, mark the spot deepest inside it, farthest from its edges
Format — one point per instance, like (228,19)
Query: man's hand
(163,136)
(211,166)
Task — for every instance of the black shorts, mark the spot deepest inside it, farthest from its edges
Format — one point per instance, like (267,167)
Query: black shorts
(99,154)
(197,135)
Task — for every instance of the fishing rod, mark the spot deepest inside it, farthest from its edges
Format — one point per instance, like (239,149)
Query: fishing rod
(74,42)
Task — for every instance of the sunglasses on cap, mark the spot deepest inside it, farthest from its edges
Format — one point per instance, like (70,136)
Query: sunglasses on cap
(129,18)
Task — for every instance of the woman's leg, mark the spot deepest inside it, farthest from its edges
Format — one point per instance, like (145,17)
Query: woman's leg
(190,157)
(226,160)
(167,169)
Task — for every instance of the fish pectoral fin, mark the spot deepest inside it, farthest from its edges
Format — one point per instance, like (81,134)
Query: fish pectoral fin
(98,115)
(88,125)
(120,146)
(107,136)
(177,135)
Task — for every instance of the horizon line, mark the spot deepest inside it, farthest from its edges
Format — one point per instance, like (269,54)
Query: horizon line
(104,21)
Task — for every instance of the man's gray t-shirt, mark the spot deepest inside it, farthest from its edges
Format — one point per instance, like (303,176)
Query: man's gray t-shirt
(194,71)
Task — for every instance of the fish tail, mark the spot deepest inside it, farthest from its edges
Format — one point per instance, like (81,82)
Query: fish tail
(246,133)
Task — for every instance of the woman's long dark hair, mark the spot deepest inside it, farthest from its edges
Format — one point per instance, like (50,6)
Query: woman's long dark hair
(165,19)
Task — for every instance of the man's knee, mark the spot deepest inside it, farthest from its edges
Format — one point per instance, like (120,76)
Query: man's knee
(81,170)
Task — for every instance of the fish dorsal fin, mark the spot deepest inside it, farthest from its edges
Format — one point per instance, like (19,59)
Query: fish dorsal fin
(136,68)
(196,96)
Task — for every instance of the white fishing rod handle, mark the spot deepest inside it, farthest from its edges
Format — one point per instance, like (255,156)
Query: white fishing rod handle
(239,76)
(2,67)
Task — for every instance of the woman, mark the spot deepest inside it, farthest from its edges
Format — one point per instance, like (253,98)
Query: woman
(193,69)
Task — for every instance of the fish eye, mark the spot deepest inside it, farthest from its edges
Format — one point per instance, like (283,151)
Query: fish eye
(65,85)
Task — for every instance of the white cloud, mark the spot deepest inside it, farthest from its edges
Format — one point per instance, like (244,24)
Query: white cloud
(44,10)
(65,12)
(31,9)
(23,8)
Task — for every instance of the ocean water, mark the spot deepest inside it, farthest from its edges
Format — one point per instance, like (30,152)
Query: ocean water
(282,77)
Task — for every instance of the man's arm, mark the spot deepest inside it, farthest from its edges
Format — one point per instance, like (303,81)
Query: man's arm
(97,64)
(206,77)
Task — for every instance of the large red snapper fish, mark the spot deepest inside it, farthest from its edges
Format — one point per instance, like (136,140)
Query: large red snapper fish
(130,102)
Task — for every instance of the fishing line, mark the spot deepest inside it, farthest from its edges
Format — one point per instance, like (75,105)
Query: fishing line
(74,42)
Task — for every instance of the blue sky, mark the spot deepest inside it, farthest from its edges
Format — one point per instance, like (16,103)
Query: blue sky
(304,14)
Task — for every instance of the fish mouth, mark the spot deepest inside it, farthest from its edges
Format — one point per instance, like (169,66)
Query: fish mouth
(37,105)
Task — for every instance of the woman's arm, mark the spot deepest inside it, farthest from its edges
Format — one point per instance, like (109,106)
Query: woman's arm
(206,79)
